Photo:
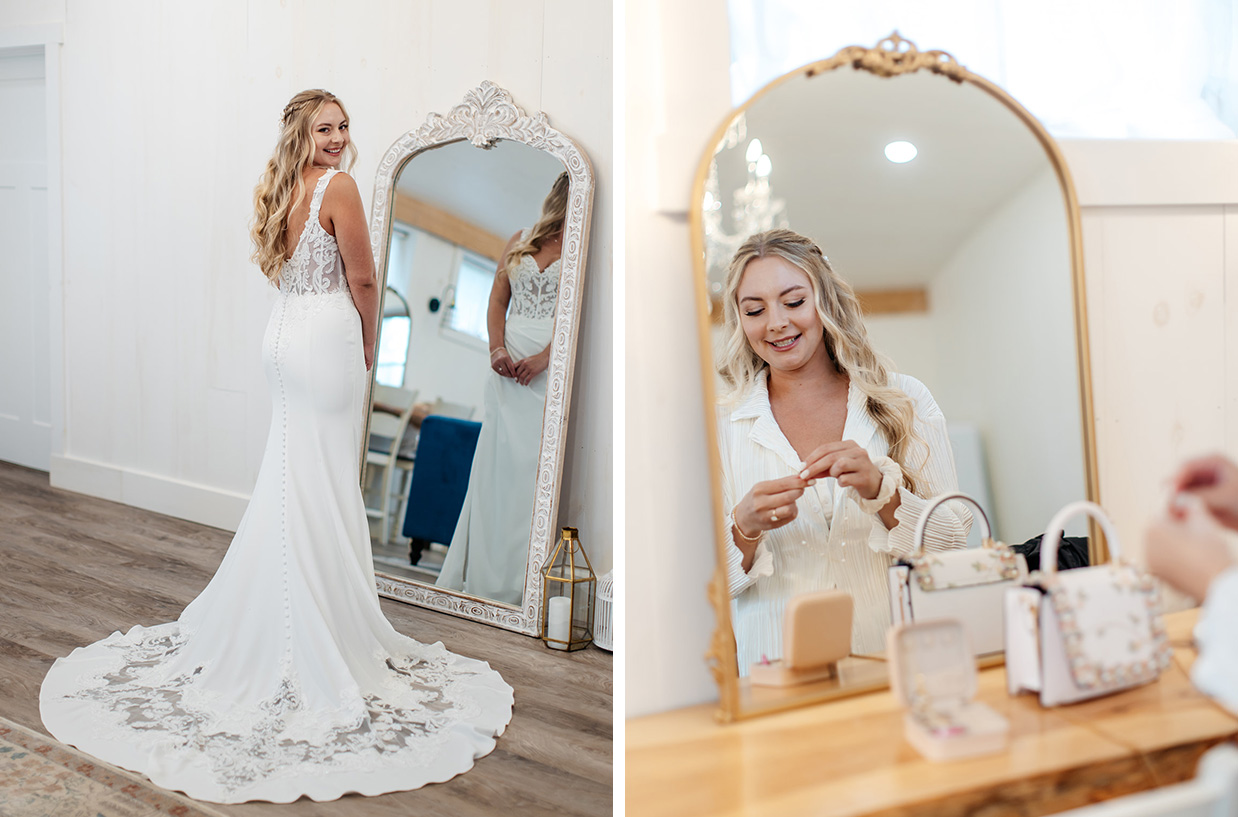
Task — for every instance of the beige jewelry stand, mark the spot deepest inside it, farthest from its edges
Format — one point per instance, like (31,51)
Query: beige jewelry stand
(816,635)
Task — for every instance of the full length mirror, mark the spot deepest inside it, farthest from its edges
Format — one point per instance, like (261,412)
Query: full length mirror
(947,209)
(482,231)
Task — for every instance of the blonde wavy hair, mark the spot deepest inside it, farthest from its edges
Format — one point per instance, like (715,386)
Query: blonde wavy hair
(282,186)
(554,211)
(846,341)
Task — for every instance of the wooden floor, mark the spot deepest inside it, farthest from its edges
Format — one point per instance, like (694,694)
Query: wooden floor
(74,569)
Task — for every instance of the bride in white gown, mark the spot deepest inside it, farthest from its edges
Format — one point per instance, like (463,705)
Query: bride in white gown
(283,678)
(489,549)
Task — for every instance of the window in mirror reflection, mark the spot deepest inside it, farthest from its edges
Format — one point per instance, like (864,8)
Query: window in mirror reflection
(393,349)
(392,356)
(466,316)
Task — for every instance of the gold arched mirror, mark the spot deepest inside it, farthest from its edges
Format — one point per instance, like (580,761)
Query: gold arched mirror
(968,263)
(462,465)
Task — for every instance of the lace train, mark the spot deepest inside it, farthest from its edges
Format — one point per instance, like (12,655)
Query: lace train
(438,711)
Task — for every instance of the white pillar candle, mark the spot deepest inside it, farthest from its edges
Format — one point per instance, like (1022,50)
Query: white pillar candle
(559,622)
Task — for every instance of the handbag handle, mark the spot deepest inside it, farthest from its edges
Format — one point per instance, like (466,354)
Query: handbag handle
(1053,534)
(922,523)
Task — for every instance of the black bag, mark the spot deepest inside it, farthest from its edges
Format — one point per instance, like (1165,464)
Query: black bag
(1071,553)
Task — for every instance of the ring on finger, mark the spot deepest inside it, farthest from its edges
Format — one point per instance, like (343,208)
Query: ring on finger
(773,516)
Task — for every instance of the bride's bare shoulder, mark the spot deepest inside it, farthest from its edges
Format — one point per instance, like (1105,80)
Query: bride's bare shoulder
(341,195)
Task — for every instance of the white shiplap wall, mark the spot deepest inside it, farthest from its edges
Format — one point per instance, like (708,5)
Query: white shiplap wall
(1160,230)
(169,113)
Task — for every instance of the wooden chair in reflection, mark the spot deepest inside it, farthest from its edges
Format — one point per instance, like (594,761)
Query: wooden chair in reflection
(439,482)
(389,423)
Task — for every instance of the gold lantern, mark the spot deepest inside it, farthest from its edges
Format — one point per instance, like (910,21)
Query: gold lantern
(568,588)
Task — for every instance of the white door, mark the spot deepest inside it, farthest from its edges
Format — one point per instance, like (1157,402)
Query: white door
(25,417)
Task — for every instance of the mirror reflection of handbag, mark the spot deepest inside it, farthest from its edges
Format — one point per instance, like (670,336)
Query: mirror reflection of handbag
(968,584)
(1087,632)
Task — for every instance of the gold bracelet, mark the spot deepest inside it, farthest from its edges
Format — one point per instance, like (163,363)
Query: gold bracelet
(496,351)
(748,539)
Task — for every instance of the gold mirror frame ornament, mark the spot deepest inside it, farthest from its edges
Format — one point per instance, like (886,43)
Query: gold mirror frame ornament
(891,57)
(487,116)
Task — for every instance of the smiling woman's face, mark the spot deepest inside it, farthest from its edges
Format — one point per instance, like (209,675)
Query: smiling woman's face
(330,136)
(778,315)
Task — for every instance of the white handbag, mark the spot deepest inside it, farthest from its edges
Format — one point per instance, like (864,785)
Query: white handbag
(968,584)
(1087,632)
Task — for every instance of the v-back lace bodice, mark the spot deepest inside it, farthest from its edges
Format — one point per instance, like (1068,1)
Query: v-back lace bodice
(534,291)
(315,267)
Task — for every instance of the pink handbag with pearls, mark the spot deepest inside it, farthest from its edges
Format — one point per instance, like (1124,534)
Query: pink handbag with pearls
(1083,633)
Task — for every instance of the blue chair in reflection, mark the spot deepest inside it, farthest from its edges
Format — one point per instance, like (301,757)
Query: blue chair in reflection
(440,480)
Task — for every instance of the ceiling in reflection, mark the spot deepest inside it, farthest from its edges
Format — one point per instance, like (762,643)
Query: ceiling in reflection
(493,189)
(889,225)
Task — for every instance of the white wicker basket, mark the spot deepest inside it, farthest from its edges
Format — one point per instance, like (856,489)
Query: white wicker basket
(604,623)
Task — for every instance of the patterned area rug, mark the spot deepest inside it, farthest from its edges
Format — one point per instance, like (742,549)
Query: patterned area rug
(40,777)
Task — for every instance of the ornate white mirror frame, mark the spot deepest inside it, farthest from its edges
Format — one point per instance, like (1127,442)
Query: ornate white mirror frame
(487,116)
(891,57)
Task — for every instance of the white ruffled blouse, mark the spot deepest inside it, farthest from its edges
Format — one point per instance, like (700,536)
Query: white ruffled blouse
(832,543)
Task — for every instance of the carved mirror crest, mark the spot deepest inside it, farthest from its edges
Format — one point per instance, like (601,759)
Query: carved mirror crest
(451,198)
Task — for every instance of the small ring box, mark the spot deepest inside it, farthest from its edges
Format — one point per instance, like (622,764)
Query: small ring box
(816,635)
(933,675)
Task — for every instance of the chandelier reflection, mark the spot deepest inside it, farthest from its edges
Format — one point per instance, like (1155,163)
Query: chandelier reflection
(753,207)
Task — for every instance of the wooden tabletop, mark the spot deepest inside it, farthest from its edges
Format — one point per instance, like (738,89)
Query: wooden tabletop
(849,757)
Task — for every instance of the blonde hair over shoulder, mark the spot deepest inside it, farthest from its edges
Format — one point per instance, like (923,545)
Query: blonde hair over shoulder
(282,186)
(554,211)
(846,340)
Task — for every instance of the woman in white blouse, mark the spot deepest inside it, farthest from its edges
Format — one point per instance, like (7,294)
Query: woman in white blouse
(828,456)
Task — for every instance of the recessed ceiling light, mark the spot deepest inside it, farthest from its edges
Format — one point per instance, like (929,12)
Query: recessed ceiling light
(900,152)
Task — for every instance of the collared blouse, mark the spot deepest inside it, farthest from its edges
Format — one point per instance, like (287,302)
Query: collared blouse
(832,543)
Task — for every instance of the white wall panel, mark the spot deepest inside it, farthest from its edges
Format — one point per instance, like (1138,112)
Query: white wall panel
(575,61)
(1143,172)
(669,547)
(1010,283)
(31,12)
(1156,281)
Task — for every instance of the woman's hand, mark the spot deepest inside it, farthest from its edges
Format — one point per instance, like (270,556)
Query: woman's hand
(502,363)
(769,505)
(1187,548)
(531,366)
(847,462)
(1214,481)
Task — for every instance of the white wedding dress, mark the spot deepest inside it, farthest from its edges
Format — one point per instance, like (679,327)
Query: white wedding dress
(283,678)
(490,548)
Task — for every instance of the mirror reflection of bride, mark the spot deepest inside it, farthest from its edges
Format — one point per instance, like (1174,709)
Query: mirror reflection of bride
(283,678)
(489,549)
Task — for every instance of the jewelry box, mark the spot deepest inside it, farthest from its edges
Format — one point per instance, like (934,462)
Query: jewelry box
(933,675)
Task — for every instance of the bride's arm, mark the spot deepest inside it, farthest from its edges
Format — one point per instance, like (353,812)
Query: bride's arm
(496,315)
(345,217)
